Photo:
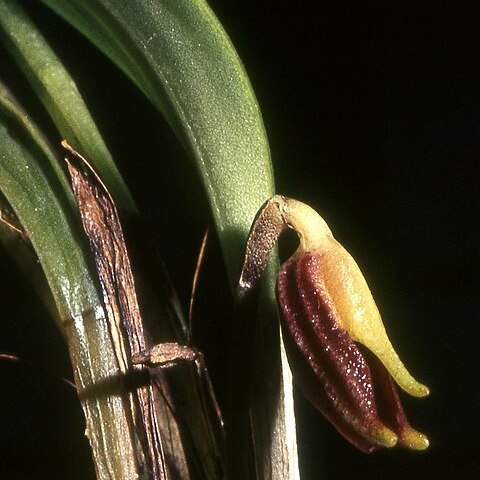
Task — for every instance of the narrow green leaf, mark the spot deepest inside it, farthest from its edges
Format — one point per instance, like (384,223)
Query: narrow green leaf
(14,240)
(179,55)
(40,202)
(34,196)
(13,110)
(59,94)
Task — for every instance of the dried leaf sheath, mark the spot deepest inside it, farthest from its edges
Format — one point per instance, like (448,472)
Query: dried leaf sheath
(174,415)
(102,226)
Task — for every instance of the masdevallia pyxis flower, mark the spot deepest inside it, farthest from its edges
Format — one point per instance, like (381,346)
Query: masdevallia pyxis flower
(327,311)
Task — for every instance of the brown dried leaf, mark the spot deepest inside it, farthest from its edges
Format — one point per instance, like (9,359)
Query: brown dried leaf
(173,441)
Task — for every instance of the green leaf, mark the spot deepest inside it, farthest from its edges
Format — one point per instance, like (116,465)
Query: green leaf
(59,94)
(179,55)
(38,198)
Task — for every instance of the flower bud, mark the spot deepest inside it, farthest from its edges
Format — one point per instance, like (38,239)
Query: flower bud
(326,309)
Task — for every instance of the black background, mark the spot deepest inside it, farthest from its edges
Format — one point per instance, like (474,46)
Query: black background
(373,117)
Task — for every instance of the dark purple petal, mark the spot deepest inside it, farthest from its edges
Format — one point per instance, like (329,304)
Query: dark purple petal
(326,363)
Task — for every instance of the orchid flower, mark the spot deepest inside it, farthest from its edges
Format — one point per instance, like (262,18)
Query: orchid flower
(336,343)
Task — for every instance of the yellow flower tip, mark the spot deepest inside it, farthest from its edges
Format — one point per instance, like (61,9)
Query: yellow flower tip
(385,437)
(420,390)
(400,374)
(413,440)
